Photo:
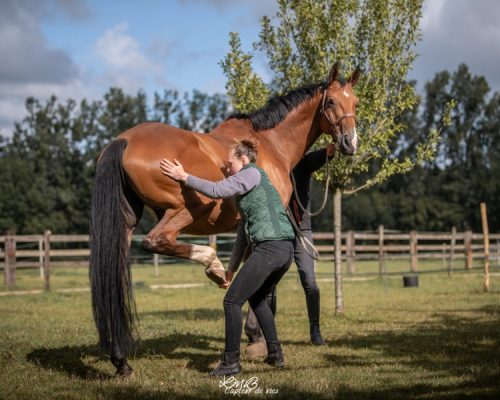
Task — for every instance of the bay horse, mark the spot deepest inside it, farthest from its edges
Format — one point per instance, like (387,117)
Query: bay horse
(128,177)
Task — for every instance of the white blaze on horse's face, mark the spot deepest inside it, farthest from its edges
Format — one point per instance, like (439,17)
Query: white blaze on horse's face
(354,141)
(341,104)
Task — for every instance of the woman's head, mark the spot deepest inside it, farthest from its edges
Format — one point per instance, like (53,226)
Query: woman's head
(242,153)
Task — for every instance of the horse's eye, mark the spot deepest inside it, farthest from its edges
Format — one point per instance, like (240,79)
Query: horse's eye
(330,103)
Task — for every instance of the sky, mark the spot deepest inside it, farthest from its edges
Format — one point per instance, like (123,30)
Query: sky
(79,48)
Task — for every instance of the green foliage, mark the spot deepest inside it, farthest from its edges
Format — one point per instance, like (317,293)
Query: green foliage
(446,191)
(305,38)
(246,90)
(195,112)
(47,166)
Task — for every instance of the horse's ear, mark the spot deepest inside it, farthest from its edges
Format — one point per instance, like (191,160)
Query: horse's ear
(334,73)
(353,79)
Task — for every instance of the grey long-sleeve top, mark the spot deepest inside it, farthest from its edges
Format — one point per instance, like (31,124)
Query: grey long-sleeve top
(236,185)
(240,183)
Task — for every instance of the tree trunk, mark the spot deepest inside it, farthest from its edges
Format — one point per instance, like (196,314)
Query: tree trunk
(337,230)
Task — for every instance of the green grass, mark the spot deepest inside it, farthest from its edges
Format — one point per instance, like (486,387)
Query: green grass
(441,340)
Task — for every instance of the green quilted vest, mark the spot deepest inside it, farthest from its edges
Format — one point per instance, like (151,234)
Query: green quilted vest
(263,213)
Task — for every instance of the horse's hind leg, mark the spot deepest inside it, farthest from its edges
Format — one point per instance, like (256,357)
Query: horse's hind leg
(163,239)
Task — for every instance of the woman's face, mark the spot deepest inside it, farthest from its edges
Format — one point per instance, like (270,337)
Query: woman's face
(234,164)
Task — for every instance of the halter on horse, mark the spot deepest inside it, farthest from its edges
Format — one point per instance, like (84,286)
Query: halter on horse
(128,178)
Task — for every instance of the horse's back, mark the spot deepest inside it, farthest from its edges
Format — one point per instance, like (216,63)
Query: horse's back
(149,143)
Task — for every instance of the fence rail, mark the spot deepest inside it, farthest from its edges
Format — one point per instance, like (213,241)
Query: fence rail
(54,250)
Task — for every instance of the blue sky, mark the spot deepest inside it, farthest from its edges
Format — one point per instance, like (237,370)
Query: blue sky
(179,42)
(79,48)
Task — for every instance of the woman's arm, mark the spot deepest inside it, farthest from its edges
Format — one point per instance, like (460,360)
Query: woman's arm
(314,160)
(239,248)
(238,254)
(237,184)
(240,183)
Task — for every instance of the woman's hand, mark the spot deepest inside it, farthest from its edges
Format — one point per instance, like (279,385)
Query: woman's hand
(173,170)
(229,278)
(330,150)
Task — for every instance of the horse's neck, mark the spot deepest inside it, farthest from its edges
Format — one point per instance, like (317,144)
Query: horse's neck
(287,142)
(295,135)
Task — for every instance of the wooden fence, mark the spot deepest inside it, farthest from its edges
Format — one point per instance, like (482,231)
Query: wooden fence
(51,250)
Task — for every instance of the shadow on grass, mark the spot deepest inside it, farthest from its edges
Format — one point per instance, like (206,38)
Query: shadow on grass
(417,391)
(206,314)
(448,346)
(72,359)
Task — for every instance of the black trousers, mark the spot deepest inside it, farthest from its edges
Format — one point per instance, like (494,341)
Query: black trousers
(306,267)
(257,278)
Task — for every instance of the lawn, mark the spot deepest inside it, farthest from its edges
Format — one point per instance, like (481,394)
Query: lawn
(440,340)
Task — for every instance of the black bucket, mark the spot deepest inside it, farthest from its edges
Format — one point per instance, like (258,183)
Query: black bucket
(410,281)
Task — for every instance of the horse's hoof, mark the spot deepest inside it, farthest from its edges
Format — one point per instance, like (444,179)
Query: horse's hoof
(256,350)
(216,273)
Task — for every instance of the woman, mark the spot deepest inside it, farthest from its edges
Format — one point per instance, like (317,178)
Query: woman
(266,228)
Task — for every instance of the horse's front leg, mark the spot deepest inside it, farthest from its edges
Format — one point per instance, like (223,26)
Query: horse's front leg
(163,239)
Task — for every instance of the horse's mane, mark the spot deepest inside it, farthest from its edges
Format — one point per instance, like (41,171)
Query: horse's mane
(278,107)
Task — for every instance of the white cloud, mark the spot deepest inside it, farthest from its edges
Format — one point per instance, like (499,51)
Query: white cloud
(256,8)
(460,31)
(13,97)
(26,55)
(29,66)
(127,66)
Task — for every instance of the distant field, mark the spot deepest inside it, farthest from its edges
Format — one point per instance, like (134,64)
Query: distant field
(441,340)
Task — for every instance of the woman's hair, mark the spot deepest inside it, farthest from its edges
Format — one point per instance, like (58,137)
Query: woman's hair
(246,147)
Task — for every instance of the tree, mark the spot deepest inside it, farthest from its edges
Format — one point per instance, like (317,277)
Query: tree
(462,175)
(300,44)
(47,166)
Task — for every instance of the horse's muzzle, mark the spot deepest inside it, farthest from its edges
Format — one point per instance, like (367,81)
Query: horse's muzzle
(348,145)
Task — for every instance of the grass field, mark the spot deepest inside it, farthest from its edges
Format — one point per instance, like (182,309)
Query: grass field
(441,340)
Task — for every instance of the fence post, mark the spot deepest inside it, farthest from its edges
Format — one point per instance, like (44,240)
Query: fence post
(46,259)
(413,251)
(212,242)
(381,260)
(444,255)
(468,249)
(349,244)
(10,260)
(452,249)
(155,262)
(498,254)
(486,239)
(40,256)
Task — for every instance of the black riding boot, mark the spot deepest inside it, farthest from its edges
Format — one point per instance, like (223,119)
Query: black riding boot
(312,300)
(230,364)
(275,355)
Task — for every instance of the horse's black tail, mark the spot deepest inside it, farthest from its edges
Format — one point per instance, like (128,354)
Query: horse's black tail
(113,302)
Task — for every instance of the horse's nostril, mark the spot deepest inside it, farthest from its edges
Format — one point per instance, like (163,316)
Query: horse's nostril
(347,146)
(346,143)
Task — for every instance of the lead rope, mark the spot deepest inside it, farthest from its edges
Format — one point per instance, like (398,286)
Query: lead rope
(325,196)
(306,243)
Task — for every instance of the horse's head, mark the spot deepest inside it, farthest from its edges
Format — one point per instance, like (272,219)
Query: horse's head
(338,110)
